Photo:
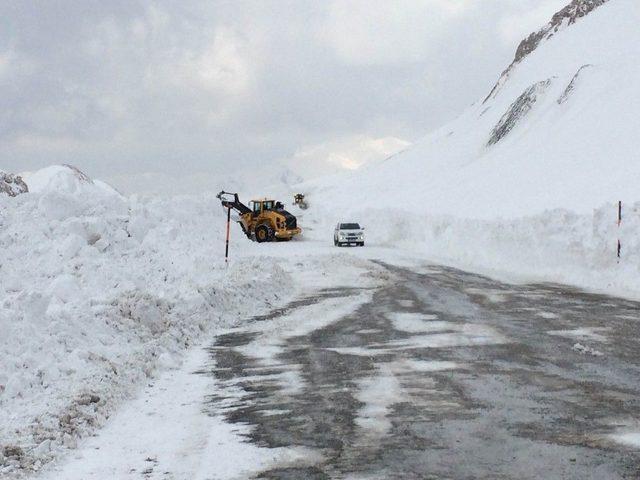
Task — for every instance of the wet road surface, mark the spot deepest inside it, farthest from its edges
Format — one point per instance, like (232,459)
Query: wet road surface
(440,375)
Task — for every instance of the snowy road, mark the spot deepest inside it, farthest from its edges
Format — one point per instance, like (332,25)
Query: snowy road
(437,374)
(444,375)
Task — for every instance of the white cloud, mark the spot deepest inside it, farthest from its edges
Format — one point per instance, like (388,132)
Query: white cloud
(5,64)
(190,86)
(527,19)
(348,153)
(13,65)
(223,66)
(381,32)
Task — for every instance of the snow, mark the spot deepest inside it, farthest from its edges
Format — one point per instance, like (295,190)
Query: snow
(439,334)
(588,333)
(377,393)
(630,439)
(101,294)
(415,322)
(267,345)
(65,179)
(164,430)
(384,388)
(98,292)
(586,350)
(540,203)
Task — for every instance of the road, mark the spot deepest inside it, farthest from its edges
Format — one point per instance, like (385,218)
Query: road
(439,374)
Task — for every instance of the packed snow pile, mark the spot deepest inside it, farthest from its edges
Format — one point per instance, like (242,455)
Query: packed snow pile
(96,292)
(65,179)
(528,180)
(11,184)
(557,245)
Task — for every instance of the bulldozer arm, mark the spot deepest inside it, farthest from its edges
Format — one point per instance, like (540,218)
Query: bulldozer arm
(231,200)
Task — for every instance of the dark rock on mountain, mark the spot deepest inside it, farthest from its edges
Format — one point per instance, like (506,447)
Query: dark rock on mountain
(517,111)
(12,184)
(572,85)
(565,17)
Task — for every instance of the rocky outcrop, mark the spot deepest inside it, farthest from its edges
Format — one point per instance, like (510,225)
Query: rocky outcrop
(517,111)
(572,85)
(565,17)
(12,184)
(79,174)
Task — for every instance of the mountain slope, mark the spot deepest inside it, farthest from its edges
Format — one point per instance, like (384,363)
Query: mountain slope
(523,185)
(559,130)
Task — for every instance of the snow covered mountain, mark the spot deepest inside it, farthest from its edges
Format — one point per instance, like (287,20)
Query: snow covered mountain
(525,182)
(560,129)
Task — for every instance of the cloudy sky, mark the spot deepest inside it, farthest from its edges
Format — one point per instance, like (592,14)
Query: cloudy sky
(126,87)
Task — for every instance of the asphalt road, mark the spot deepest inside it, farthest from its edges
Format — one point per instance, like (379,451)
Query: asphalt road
(443,374)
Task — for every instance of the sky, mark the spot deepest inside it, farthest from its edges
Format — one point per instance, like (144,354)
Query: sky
(128,89)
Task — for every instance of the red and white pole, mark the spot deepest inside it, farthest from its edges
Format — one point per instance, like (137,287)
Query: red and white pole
(226,251)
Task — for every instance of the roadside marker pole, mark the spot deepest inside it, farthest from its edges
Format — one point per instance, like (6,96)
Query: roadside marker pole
(619,222)
(226,251)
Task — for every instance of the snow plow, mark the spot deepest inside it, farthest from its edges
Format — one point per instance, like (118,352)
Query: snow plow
(264,220)
(298,199)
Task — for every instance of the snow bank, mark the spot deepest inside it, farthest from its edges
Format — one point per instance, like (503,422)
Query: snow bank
(96,292)
(558,245)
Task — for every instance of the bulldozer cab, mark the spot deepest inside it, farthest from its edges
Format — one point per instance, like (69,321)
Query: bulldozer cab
(259,206)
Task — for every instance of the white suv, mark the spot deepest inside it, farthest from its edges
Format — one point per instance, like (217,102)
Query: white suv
(348,234)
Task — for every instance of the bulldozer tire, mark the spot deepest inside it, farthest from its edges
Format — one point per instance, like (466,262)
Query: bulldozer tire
(263,234)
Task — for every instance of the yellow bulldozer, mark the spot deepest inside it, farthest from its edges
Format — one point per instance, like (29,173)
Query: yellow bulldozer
(264,221)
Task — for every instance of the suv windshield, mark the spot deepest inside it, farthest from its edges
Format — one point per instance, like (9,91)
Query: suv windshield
(349,226)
